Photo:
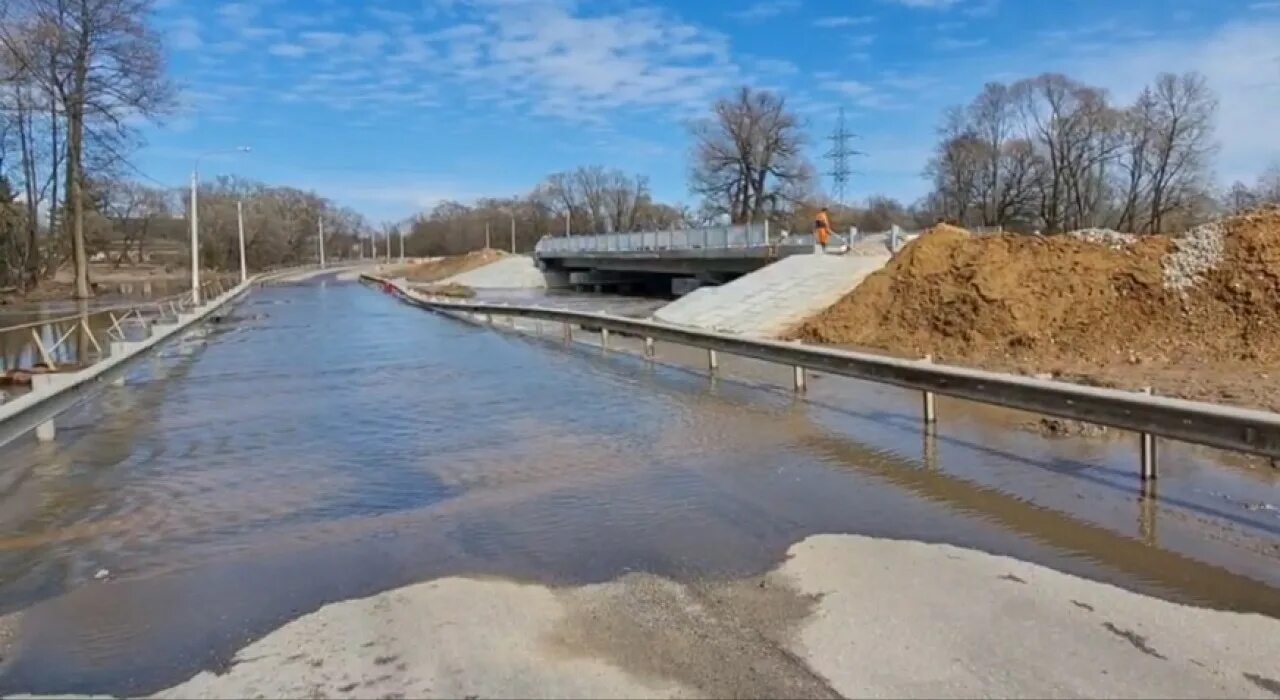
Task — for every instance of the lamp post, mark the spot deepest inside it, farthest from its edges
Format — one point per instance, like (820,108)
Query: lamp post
(195,218)
(244,269)
(320,235)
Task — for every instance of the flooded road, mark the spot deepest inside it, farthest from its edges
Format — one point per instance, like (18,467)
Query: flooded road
(328,442)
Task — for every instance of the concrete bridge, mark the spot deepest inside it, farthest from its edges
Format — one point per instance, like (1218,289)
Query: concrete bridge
(683,259)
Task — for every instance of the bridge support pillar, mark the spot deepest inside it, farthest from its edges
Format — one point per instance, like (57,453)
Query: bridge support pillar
(713,362)
(568,333)
(798,379)
(649,349)
(604,339)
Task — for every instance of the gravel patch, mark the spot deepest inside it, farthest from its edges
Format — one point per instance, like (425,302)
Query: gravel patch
(1198,251)
(1104,236)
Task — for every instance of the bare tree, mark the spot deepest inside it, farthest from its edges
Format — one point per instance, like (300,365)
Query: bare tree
(748,155)
(1050,153)
(103,65)
(1183,115)
(1268,189)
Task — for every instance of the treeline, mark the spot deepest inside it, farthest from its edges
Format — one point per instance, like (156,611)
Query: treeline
(1052,154)
(585,200)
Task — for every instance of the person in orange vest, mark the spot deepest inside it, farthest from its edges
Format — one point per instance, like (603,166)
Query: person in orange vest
(822,229)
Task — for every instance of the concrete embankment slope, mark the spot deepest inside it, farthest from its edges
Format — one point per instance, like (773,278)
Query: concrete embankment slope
(844,615)
(511,272)
(769,301)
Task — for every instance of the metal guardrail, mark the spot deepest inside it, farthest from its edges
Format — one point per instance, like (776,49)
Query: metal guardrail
(1225,427)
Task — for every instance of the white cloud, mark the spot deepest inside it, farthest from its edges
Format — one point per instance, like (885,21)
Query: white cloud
(554,58)
(958,44)
(774,66)
(927,4)
(766,9)
(850,88)
(389,16)
(579,67)
(838,21)
(323,41)
(286,50)
(184,34)
(367,43)
(237,13)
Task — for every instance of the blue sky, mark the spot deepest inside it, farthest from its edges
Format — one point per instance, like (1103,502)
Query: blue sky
(389,106)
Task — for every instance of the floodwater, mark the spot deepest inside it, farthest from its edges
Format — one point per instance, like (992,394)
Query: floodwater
(18,352)
(328,442)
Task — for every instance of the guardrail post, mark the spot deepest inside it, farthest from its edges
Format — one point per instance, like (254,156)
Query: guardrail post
(930,402)
(649,348)
(604,338)
(713,362)
(1147,451)
(798,380)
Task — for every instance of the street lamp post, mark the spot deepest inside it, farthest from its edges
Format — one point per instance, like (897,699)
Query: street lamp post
(244,269)
(195,219)
(321,236)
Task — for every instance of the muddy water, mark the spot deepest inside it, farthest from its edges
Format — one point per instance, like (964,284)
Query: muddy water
(329,442)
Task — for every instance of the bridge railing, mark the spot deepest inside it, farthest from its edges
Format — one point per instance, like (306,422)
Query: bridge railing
(1225,427)
(689,242)
(713,238)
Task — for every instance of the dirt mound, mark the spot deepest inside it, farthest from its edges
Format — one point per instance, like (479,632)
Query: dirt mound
(444,268)
(1213,293)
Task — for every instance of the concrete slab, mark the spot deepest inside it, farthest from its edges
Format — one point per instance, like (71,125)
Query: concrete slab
(768,302)
(842,616)
(515,272)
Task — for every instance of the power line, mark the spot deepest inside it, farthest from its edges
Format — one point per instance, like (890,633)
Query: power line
(839,156)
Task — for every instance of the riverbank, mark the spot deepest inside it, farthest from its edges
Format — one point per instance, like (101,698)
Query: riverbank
(844,615)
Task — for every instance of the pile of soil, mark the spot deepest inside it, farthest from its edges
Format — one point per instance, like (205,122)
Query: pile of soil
(444,268)
(1061,302)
